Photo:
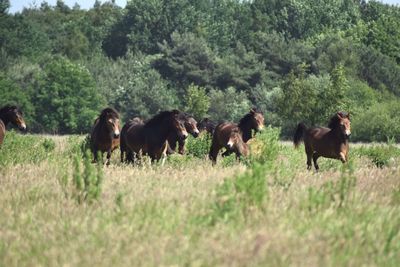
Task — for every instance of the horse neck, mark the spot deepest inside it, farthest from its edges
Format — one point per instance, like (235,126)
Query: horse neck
(338,134)
(160,132)
(245,128)
(5,118)
(102,126)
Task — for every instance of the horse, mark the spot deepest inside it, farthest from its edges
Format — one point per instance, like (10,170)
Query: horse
(191,127)
(150,137)
(229,137)
(123,147)
(207,125)
(10,114)
(331,142)
(105,134)
(254,120)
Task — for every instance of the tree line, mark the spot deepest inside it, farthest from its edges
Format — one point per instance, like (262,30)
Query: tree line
(296,60)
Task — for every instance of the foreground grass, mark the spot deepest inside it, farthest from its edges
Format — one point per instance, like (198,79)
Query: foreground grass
(190,213)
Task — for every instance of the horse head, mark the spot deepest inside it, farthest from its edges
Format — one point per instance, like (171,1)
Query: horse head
(344,123)
(191,126)
(178,125)
(111,119)
(14,115)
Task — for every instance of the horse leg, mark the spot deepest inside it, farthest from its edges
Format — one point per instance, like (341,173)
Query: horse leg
(181,148)
(227,153)
(95,156)
(108,157)
(315,158)
(343,157)
(122,154)
(309,156)
(214,152)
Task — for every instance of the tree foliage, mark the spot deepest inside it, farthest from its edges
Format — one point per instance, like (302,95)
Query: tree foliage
(297,60)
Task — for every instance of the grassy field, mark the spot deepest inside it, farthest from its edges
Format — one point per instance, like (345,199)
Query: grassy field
(58,209)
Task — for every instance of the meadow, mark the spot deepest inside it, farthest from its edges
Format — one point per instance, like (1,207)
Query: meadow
(59,209)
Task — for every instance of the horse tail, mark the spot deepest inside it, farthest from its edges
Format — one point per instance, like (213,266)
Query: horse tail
(298,135)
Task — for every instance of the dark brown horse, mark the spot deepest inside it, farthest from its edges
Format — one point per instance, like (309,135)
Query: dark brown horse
(254,120)
(105,133)
(10,114)
(191,127)
(123,146)
(150,138)
(331,142)
(207,125)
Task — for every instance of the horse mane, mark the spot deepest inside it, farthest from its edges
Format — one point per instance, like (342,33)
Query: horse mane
(335,120)
(6,108)
(184,116)
(107,112)
(243,121)
(157,119)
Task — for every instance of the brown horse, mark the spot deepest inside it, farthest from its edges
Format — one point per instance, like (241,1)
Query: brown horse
(331,142)
(222,137)
(123,147)
(229,137)
(10,114)
(105,133)
(150,138)
(207,125)
(191,127)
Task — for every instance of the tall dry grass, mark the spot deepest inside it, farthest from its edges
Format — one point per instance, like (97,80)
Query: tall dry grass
(160,215)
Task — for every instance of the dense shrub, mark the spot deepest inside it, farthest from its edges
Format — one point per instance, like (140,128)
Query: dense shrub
(378,123)
(200,146)
(25,149)
(380,155)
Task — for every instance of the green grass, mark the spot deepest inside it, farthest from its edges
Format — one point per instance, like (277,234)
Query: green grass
(56,208)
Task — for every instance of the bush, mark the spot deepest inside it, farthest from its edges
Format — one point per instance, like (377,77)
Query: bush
(265,146)
(88,181)
(380,155)
(379,123)
(24,149)
(200,146)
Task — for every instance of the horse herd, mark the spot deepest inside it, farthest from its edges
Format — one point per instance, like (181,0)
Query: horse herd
(166,133)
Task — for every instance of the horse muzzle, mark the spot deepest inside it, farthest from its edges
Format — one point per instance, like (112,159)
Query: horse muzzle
(195,134)
(22,127)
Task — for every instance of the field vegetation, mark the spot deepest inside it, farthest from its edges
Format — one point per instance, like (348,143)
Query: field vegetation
(57,208)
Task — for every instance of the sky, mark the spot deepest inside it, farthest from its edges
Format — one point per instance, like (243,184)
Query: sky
(18,5)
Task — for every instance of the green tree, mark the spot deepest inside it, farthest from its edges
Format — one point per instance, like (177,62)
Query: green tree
(197,102)
(143,92)
(298,99)
(66,98)
(12,94)
(229,105)
(4,6)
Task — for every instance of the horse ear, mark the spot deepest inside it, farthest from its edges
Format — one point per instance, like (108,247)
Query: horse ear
(339,114)
(252,110)
(348,115)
